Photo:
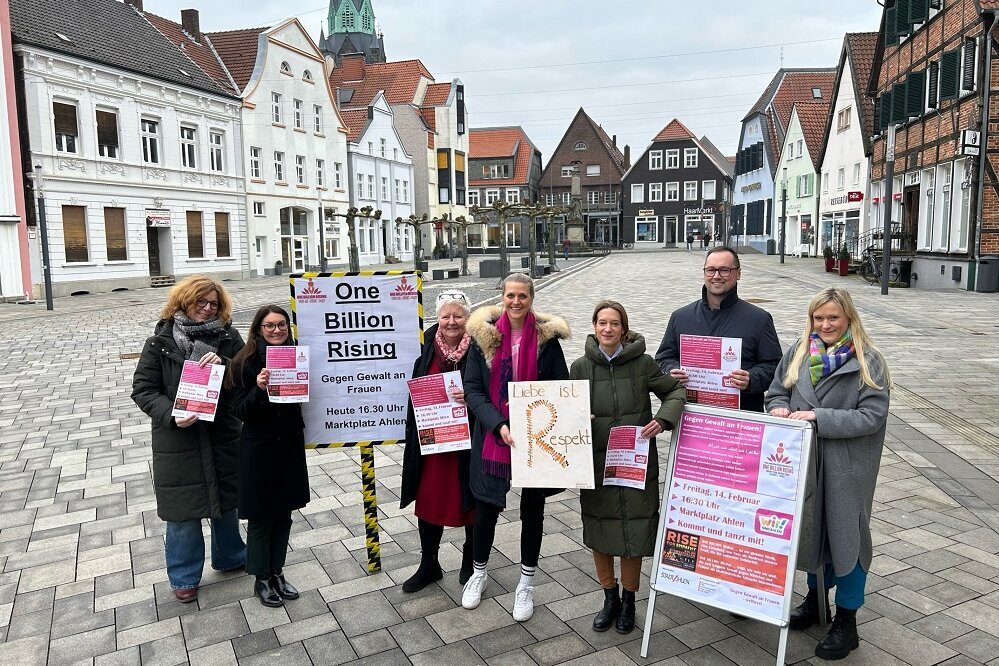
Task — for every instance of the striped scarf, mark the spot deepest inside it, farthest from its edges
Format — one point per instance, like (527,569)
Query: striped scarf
(823,360)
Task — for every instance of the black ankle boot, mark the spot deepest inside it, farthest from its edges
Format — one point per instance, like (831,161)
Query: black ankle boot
(283,587)
(266,593)
(466,563)
(842,636)
(428,572)
(610,612)
(807,613)
(626,620)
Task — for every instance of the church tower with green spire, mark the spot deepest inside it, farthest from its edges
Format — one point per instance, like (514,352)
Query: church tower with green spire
(352,29)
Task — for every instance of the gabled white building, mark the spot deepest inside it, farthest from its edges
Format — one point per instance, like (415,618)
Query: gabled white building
(138,150)
(844,199)
(381,176)
(294,146)
(797,178)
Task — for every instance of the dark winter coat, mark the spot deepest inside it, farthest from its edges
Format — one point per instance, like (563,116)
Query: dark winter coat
(194,468)
(850,424)
(734,319)
(273,477)
(486,339)
(623,521)
(412,459)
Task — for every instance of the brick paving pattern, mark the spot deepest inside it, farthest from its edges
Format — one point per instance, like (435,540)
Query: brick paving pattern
(82,578)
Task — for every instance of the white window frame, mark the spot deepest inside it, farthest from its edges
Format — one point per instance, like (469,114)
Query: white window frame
(317,119)
(844,118)
(673,158)
(276,116)
(491,196)
(638,193)
(567,171)
(338,175)
(371,186)
(259,209)
(655,192)
(320,173)
(300,177)
(800,147)
(592,197)
(216,151)
(655,160)
(841,178)
(108,151)
(690,190)
(278,166)
(654,222)
(473,197)
(673,191)
(592,169)
(856,173)
(189,146)
(299,114)
(67,143)
(385,189)
(690,158)
(709,185)
(254,162)
(150,131)
(512,195)
(360,186)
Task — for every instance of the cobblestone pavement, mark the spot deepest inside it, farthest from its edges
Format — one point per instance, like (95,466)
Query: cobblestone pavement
(81,552)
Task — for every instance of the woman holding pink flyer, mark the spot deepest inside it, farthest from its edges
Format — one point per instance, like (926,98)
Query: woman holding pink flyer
(438,483)
(836,378)
(621,520)
(273,478)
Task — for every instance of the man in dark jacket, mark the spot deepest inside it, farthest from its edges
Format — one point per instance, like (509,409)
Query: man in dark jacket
(720,312)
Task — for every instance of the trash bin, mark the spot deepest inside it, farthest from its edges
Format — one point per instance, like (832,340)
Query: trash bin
(988,275)
(771,246)
(277,267)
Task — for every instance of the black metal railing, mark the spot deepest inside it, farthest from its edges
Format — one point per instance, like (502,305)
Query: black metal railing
(902,243)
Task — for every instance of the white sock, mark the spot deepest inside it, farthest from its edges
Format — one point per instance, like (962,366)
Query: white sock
(527,575)
(478,567)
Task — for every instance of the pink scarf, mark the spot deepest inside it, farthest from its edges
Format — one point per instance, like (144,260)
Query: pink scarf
(450,358)
(496,454)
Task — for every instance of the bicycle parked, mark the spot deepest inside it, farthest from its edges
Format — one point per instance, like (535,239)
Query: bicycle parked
(870,267)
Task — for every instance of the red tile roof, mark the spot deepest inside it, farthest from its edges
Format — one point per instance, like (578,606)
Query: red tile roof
(200,52)
(582,127)
(429,115)
(812,117)
(399,80)
(437,94)
(674,130)
(355,120)
(861,46)
(492,142)
(990,4)
(797,87)
(238,50)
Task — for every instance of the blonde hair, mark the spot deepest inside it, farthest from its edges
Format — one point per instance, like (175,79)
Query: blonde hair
(862,343)
(187,292)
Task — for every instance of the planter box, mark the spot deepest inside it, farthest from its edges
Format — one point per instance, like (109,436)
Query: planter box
(844,266)
(493,268)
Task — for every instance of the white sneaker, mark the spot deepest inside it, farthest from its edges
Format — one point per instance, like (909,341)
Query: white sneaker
(472,594)
(523,603)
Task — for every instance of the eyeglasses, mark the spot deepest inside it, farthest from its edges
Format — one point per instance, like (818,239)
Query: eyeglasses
(724,272)
(451,296)
(205,303)
(271,326)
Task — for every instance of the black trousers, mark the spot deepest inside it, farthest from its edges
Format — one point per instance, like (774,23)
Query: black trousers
(532,523)
(267,544)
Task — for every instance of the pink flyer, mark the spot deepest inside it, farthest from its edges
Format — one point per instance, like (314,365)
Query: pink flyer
(442,422)
(709,362)
(289,373)
(627,458)
(198,391)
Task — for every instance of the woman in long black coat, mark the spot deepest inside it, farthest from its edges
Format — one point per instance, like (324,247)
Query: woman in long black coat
(273,478)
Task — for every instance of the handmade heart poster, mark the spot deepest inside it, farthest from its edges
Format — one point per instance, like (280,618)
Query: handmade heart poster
(550,424)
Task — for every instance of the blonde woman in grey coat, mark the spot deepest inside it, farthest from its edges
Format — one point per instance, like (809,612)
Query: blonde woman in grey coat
(836,378)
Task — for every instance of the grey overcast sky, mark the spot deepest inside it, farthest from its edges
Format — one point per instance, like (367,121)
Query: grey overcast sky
(632,64)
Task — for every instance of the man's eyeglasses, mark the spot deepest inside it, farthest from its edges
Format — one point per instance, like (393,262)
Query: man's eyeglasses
(270,326)
(205,303)
(451,296)
(724,272)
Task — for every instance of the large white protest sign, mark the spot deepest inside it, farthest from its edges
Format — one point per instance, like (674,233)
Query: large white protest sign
(364,331)
(550,425)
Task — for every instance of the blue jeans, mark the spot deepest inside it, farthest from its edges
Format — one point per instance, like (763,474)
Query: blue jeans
(849,588)
(185,549)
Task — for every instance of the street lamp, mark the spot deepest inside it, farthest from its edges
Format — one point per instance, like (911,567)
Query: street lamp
(36,178)
(783,213)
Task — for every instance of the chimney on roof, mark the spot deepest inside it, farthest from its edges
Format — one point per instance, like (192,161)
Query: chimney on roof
(352,65)
(135,4)
(627,156)
(614,140)
(191,22)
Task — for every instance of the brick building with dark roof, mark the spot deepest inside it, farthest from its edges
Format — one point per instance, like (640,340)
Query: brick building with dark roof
(932,84)
(679,186)
(586,146)
(760,144)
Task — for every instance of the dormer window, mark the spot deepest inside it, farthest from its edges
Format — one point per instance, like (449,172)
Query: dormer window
(580,145)
(286,68)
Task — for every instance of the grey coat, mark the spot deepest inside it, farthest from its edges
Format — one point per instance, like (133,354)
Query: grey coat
(850,422)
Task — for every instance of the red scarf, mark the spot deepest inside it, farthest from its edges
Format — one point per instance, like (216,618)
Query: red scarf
(495,453)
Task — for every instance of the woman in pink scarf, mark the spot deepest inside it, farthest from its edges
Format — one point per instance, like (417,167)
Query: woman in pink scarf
(511,342)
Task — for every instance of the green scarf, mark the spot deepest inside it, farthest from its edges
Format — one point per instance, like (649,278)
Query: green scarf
(823,360)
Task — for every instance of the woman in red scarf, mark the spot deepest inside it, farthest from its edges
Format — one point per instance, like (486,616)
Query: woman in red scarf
(439,482)
(511,343)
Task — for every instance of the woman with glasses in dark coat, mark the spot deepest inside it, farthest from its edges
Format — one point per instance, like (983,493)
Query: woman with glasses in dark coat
(273,478)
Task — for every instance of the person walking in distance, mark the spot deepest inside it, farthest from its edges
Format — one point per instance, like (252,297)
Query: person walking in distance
(565,249)
(720,312)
